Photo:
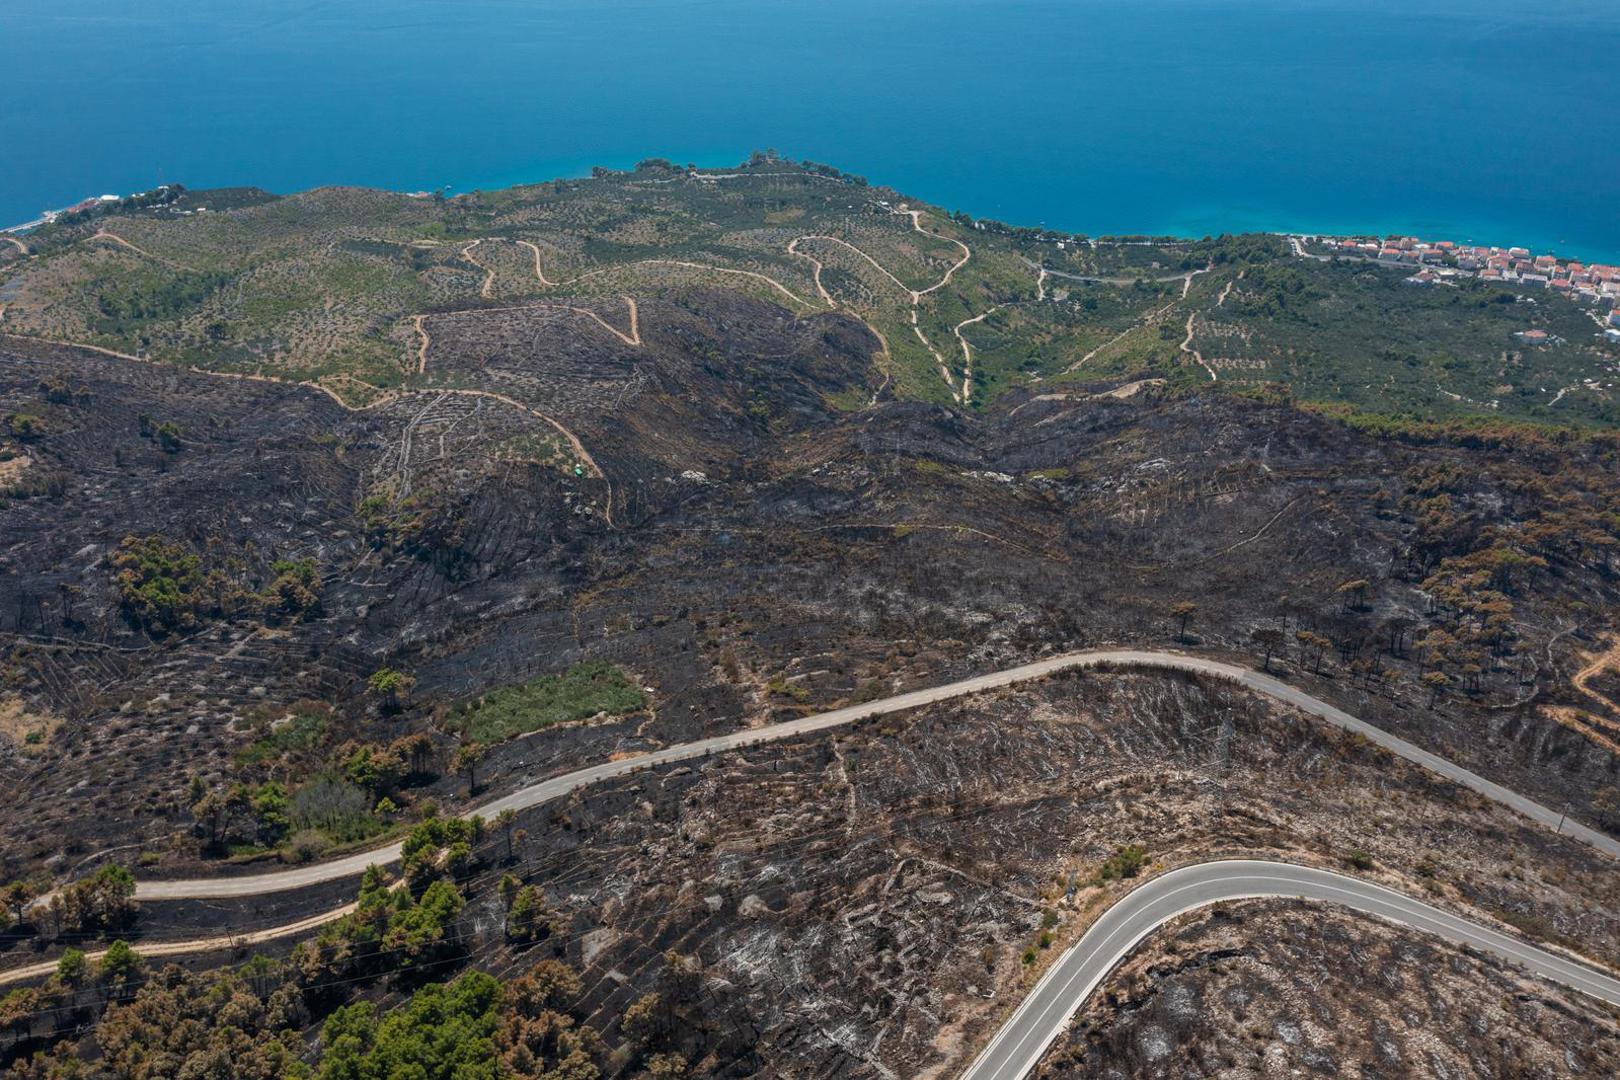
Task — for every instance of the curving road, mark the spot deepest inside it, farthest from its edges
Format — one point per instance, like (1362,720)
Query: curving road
(547,790)
(1046,1012)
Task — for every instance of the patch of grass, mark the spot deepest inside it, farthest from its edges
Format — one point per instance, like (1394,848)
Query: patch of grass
(587,688)
(782,688)
(304,731)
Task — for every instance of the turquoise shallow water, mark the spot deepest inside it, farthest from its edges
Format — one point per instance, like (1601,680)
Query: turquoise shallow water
(1495,120)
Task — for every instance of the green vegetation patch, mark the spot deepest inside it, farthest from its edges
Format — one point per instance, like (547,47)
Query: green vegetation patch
(302,731)
(587,688)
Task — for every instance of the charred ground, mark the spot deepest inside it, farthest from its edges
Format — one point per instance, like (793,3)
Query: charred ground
(213,584)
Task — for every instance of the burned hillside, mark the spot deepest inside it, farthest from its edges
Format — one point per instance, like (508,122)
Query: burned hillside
(1275,988)
(702,510)
(872,903)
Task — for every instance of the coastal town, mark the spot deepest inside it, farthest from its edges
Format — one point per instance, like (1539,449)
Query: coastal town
(1433,263)
(1437,262)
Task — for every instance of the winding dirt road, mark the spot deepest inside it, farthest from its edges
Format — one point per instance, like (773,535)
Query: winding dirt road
(546,790)
(1045,1012)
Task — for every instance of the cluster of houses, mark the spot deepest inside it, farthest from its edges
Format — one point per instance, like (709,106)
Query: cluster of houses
(1594,283)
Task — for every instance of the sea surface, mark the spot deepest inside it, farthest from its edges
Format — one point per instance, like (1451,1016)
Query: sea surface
(1490,120)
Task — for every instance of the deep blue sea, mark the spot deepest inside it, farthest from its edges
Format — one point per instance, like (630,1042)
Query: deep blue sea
(1493,120)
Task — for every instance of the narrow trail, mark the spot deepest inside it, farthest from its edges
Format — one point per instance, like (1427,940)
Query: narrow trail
(1610,658)
(967,252)
(1042,273)
(1188,350)
(22,247)
(422,350)
(967,350)
(815,271)
(1256,535)
(772,282)
(1122,392)
(944,368)
(1157,313)
(793,249)
(1580,723)
(1600,729)
(961,391)
(114,238)
(540,273)
(539,270)
(487,289)
(633,338)
(384,398)
(194,945)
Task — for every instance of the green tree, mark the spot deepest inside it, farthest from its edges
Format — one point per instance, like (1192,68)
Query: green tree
(295,590)
(377,769)
(72,967)
(103,901)
(270,806)
(425,855)
(161,585)
(16,896)
(445,1032)
(121,963)
(390,688)
(25,426)
(419,931)
(530,917)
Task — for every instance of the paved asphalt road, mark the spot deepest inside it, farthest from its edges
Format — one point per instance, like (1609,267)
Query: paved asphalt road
(546,790)
(1047,1010)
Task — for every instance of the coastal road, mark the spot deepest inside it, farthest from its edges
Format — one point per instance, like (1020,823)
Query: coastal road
(1046,1012)
(556,787)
